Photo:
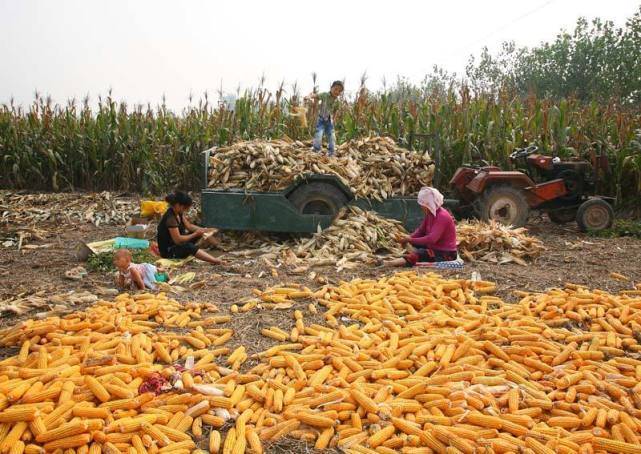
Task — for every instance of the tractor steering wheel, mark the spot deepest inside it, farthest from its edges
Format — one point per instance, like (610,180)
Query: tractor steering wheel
(523,152)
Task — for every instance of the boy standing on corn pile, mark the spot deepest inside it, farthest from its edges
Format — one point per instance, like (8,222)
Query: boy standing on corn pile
(325,124)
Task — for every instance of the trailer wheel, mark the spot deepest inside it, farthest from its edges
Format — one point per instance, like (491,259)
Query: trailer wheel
(318,198)
(594,215)
(506,205)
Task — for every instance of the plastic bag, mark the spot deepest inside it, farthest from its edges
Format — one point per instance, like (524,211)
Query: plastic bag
(152,208)
(130,243)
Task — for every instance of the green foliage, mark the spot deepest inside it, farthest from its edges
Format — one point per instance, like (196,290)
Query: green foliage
(621,227)
(596,61)
(114,147)
(104,262)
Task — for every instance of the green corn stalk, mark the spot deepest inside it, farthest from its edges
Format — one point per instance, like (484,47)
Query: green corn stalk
(152,149)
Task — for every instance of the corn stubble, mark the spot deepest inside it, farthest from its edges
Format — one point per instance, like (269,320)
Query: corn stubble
(408,363)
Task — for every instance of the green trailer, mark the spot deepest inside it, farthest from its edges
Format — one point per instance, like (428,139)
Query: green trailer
(312,201)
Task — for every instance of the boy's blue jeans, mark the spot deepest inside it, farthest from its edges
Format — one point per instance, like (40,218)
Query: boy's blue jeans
(325,126)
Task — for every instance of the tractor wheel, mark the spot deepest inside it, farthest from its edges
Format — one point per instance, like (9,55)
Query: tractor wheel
(318,198)
(594,215)
(506,205)
(562,216)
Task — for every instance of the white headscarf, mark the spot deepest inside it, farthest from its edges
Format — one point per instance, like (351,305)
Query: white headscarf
(431,199)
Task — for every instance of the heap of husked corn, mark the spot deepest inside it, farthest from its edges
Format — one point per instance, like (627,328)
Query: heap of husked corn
(409,363)
(419,364)
(76,381)
(373,167)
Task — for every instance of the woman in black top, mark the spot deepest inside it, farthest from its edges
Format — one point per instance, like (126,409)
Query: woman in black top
(176,235)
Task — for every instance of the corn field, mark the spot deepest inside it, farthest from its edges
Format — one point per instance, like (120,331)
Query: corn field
(145,149)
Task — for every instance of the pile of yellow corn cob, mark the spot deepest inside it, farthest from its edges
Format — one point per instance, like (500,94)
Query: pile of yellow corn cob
(74,384)
(419,364)
(409,363)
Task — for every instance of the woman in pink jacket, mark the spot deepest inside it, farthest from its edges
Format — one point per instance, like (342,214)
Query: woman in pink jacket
(435,239)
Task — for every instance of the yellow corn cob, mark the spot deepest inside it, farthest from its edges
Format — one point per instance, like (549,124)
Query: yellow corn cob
(616,446)
(214,442)
(367,403)
(184,424)
(24,352)
(175,419)
(537,447)
(127,425)
(487,421)
(279,430)
(68,442)
(230,440)
(156,434)
(90,412)
(18,414)
(17,448)
(212,420)
(35,388)
(33,449)
(381,436)
(219,402)
(174,447)
(66,392)
(13,436)
(65,430)
(97,389)
(138,445)
(324,438)
(197,427)
(110,448)
(254,442)
(320,376)
(19,390)
(314,420)
(565,422)
(119,391)
(37,426)
(239,446)
(173,434)
(44,394)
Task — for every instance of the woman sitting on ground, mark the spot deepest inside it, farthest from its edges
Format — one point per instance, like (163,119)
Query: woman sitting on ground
(435,238)
(176,235)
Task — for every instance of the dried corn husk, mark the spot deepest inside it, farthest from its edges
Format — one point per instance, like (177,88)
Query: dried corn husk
(43,301)
(355,237)
(359,237)
(65,208)
(495,242)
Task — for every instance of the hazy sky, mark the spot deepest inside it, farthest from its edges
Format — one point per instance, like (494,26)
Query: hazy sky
(143,49)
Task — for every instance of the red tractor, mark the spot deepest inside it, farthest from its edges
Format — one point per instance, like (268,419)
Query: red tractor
(564,190)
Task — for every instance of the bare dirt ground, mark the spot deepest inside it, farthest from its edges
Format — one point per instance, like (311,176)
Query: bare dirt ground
(570,256)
